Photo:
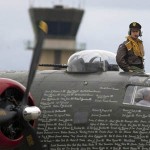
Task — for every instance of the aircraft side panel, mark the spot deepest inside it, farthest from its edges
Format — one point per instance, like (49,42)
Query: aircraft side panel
(86,112)
(80,113)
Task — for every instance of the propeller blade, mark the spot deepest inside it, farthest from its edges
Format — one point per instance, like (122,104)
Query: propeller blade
(6,116)
(30,137)
(35,58)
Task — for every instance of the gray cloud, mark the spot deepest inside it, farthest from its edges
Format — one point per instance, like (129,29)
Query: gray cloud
(104,26)
(114,4)
(119,4)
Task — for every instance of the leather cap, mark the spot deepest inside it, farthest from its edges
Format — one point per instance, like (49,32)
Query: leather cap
(135,25)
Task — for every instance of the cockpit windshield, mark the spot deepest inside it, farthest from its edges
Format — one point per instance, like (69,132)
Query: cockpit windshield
(92,61)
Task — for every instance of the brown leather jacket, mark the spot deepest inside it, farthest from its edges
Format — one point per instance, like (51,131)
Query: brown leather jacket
(126,58)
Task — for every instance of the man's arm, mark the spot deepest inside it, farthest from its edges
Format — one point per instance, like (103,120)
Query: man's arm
(120,58)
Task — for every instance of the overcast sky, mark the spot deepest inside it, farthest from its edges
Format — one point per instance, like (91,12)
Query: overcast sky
(104,26)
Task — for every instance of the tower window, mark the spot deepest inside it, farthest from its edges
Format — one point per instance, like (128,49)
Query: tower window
(59,28)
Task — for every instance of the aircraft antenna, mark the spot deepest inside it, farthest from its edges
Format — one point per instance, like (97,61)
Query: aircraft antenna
(31,3)
(84,2)
(53,3)
(72,3)
(81,3)
(60,2)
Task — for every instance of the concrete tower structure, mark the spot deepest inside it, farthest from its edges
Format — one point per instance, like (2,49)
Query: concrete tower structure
(63,24)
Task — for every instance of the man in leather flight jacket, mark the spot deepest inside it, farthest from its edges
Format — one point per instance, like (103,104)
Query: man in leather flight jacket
(130,54)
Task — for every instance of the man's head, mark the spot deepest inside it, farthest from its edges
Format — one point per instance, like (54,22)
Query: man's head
(135,30)
(146,94)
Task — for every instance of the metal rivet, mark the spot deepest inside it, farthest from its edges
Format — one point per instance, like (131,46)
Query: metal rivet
(85,83)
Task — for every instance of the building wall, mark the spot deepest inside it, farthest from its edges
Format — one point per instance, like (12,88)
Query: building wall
(48,57)
(59,44)
(65,56)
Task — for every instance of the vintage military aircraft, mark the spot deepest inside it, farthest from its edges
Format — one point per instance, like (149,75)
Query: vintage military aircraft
(89,106)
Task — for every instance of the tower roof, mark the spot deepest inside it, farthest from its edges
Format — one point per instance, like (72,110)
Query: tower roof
(62,22)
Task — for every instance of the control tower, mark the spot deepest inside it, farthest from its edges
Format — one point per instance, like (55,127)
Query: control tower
(60,42)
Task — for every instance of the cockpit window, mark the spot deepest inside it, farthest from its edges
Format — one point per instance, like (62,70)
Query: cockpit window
(137,95)
(92,61)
